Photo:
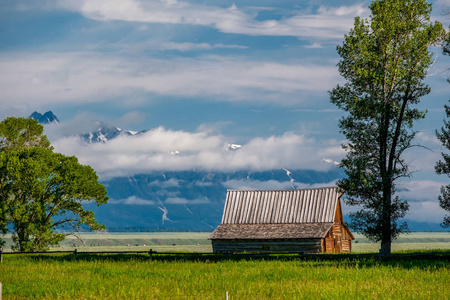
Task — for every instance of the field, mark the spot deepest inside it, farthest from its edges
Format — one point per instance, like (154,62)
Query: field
(198,242)
(195,276)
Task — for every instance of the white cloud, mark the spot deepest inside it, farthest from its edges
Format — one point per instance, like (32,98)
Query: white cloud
(150,151)
(197,46)
(425,211)
(186,201)
(249,184)
(419,190)
(171,183)
(325,23)
(132,200)
(82,77)
(314,46)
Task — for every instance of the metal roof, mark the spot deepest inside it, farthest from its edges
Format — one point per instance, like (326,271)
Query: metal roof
(281,206)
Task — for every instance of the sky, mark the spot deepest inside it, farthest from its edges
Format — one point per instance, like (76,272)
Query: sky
(200,75)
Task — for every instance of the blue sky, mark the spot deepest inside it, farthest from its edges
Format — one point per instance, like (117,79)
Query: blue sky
(202,75)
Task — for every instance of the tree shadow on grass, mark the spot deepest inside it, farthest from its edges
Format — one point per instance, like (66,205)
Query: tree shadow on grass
(423,261)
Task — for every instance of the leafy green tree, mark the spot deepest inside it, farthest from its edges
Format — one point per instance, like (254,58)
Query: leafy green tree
(18,133)
(384,61)
(41,191)
(443,166)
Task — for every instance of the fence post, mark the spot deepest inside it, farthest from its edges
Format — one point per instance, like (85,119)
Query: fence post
(75,253)
(1,260)
(151,254)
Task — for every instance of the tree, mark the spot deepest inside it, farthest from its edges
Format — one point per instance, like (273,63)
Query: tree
(384,61)
(443,167)
(41,191)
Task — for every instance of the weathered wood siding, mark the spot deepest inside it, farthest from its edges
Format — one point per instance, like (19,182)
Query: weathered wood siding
(267,246)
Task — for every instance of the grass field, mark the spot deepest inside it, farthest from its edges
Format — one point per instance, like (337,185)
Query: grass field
(135,276)
(194,276)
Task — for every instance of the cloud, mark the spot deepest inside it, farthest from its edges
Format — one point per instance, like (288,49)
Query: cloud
(85,77)
(171,183)
(132,200)
(197,46)
(425,211)
(419,190)
(249,184)
(151,151)
(186,201)
(314,46)
(324,23)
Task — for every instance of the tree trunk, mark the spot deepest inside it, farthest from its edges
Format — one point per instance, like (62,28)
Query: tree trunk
(386,237)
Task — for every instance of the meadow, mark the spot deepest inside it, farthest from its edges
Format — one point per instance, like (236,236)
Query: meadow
(198,242)
(208,276)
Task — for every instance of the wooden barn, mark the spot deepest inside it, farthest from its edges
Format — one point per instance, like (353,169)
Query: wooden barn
(306,220)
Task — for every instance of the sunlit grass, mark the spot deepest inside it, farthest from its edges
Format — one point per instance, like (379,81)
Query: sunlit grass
(127,276)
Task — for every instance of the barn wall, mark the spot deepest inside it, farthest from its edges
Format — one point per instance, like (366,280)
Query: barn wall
(267,246)
(338,239)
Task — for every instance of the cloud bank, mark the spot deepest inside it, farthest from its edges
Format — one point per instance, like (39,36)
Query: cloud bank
(162,149)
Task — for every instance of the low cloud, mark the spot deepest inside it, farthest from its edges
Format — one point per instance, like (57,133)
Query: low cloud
(419,190)
(249,184)
(187,201)
(133,200)
(162,149)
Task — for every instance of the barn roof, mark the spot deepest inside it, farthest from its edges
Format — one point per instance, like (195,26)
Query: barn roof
(275,214)
(280,206)
(271,231)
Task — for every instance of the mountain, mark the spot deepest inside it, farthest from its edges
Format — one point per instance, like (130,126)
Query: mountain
(187,200)
(47,118)
(104,132)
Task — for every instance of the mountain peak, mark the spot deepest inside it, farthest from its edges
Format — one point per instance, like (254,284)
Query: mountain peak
(47,118)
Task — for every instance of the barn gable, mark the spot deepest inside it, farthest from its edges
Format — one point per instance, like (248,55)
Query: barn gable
(265,217)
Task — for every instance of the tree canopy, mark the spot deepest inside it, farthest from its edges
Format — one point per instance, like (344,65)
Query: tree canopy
(42,191)
(384,61)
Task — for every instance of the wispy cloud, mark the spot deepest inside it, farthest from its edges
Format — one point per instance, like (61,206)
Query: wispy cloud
(250,184)
(326,22)
(132,200)
(197,46)
(85,77)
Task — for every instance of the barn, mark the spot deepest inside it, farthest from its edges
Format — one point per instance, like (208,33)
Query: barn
(275,221)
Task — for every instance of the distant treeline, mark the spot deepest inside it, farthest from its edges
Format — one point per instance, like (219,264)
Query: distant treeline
(151,229)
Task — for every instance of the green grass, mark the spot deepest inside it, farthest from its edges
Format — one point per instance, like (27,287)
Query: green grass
(127,276)
(193,276)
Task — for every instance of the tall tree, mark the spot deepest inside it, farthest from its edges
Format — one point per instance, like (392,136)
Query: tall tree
(41,191)
(443,166)
(384,60)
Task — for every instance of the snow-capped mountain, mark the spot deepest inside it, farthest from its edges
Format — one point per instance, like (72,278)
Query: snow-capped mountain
(47,118)
(187,200)
(104,132)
